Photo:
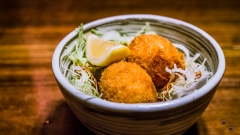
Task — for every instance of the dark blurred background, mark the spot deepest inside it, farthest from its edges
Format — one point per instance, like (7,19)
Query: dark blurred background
(72,12)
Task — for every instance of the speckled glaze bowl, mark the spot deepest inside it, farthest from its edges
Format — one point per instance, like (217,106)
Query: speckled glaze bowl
(171,117)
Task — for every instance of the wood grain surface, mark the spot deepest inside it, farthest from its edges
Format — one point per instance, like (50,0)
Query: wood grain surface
(30,100)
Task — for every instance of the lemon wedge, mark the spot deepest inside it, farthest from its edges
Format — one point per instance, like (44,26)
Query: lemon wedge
(100,52)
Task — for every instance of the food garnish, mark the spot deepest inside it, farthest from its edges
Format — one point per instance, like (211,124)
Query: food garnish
(76,69)
(101,52)
(185,81)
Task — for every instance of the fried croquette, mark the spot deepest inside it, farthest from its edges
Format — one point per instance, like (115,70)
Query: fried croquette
(154,53)
(126,82)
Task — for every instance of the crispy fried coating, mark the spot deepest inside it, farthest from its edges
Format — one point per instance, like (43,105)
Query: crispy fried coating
(126,82)
(154,53)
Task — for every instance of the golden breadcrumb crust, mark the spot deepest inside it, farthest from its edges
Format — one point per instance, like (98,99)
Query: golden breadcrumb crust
(154,53)
(126,82)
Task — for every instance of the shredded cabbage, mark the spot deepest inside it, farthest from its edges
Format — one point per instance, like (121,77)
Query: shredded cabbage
(75,67)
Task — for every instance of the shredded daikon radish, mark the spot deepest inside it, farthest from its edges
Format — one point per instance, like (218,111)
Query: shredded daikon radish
(183,82)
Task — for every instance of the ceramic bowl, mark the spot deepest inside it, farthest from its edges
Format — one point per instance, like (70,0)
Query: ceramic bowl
(171,117)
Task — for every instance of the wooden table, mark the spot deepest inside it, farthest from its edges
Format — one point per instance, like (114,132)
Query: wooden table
(30,100)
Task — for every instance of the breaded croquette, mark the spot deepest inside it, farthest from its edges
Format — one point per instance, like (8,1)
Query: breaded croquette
(154,53)
(126,82)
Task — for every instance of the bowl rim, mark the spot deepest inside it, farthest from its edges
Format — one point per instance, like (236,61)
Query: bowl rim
(95,102)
